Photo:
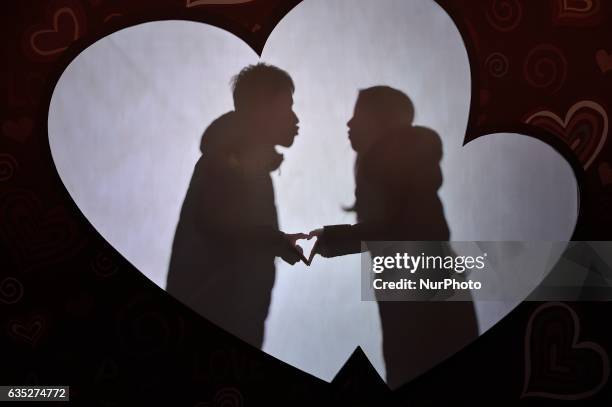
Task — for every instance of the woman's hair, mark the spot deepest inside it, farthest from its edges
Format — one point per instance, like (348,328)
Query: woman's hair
(390,107)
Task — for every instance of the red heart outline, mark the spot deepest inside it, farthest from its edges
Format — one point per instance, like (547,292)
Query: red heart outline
(56,31)
(577,12)
(29,332)
(588,6)
(580,111)
(592,346)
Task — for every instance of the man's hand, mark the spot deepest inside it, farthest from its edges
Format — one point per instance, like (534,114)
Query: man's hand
(291,252)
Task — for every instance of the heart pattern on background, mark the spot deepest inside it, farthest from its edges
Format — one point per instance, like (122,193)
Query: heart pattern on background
(577,12)
(557,362)
(584,130)
(66,28)
(29,332)
(474,174)
(577,6)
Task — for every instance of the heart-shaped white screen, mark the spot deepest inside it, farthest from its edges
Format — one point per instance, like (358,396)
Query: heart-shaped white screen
(127,115)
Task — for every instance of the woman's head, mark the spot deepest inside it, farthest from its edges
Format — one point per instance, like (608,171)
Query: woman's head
(378,111)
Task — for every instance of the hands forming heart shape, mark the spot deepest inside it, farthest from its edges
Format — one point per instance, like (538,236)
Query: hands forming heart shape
(294,238)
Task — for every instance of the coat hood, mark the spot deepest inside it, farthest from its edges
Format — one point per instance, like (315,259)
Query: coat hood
(227,138)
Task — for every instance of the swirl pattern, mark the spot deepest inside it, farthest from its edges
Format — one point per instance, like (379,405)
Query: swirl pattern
(228,397)
(504,15)
(8,165)
(11,290)
(103,265)
(497,65)
(545,67)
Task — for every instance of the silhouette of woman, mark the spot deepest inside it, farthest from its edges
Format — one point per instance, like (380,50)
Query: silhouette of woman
(397,178)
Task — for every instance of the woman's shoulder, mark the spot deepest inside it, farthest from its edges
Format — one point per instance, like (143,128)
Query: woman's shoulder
(422,136)
(411,143)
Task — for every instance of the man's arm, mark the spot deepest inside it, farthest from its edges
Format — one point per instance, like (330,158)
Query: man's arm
(220,215)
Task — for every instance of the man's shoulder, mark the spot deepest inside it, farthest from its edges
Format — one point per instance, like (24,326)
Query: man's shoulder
(212,170)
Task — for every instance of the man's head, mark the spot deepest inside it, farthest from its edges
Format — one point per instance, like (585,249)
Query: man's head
(378,111)
(263,95)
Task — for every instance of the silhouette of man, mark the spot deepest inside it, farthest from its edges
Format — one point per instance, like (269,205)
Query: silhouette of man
(397,176)
(227,237)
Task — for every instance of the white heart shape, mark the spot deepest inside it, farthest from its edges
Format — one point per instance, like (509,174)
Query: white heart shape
(127,114)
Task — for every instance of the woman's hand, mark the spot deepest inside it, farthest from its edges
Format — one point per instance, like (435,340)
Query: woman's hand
(318,247)
(315,233)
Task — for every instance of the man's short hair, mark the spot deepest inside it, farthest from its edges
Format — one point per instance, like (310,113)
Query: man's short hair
(256,84)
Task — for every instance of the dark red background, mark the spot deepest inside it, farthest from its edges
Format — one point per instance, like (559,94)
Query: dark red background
(74,312)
